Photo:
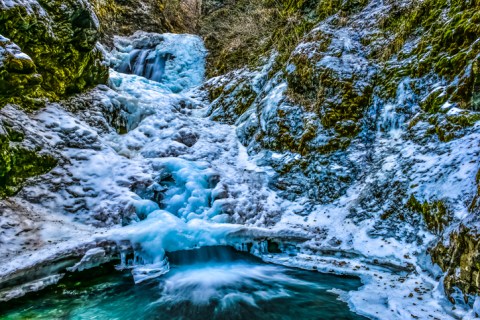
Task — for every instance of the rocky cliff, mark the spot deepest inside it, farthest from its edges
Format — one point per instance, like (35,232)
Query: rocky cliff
(59,45)
(374,98)
(48,50)
(123,18)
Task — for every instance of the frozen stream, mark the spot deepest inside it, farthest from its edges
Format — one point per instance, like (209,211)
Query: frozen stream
(180,182)
(197,186)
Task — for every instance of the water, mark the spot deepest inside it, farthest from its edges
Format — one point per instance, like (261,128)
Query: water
(206,284)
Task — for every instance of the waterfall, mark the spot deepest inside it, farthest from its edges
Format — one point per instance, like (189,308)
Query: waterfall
(146,63)
(395,114)
(176,61)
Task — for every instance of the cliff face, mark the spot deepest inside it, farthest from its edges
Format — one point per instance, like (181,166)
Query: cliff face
(371,103)
(48,50)
(125,17)
(58,39)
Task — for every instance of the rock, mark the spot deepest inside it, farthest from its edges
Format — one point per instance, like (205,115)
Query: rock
(128,16)
(19,161)
(187,137)
(50,33)
(18,74)
(459,258)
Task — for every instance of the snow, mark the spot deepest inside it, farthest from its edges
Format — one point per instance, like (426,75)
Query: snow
(92,258)
(189,217)
(199,175)
(351,225)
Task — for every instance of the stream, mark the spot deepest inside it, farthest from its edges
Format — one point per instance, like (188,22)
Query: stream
(209,283)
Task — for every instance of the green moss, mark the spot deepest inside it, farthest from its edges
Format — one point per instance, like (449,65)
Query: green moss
(18,163)
(464,119)
(460,260)
(61,45)
(448,31)
(436,214)
(233,100)
(475,205)
(240,33)
(434,101)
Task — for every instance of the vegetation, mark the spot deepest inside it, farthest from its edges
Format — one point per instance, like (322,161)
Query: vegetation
(448,46)
(18,163)
(436,214)
(47,51)
(239,33)
(460,260)
(126,17)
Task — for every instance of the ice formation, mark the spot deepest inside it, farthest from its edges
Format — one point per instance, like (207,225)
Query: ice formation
(177,62)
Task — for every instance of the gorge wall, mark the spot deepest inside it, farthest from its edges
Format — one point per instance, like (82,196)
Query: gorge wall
(48,50)
(366,110)
(380,97)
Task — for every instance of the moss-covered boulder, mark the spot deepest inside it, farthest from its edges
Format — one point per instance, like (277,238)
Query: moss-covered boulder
(459,258)
(18,74)
(18,161)
(60,38)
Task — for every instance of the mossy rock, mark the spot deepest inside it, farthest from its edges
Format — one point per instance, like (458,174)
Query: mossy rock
(18,74)
(60,39)
(460,260)
(435,214)
(448,46)
(17,163)
(230,100)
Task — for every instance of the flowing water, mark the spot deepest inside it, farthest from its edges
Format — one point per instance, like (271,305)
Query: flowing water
(202,284)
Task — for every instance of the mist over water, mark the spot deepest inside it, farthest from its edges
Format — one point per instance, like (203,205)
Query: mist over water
(210,283)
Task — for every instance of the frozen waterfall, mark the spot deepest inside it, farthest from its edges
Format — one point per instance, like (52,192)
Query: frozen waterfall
(199,171)
(177,61)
